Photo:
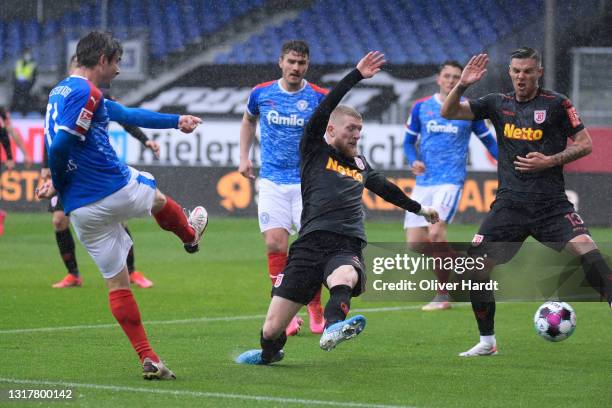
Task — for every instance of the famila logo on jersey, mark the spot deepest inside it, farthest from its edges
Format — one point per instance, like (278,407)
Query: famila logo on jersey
(274,117)
(435,127)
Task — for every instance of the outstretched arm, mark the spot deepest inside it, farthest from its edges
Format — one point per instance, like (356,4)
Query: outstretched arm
(366,68)
(149,119)
(379,185)
(453,108)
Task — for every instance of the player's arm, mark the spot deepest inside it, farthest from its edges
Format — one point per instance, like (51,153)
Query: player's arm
(378,184)
(248,127)
(314,132)
(6,143)
(149,119)
(536,161)
(59,152)
(19,142)
(413,128)
(485,136)
(453,108)
(139,135)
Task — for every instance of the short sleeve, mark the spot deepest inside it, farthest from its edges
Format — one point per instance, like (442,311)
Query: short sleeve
(480,128)
(483,107)
(253,103)
(568,118)
(413,124)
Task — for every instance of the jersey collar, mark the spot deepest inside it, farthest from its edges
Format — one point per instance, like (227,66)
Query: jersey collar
(304,83)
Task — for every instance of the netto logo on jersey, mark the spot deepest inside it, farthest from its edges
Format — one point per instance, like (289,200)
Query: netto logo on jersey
(513,132)
(333,165)
(434,127)
(274,117)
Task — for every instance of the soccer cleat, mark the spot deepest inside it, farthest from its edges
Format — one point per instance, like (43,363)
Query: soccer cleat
(294,326)
(315,318)
(69,281)
(253,357)
(480,349)
(156,371)
(344,330)
(433,306)
(2,218)
(140,280)
(198,219)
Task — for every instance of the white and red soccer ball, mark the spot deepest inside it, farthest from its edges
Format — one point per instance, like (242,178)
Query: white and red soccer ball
(555,321)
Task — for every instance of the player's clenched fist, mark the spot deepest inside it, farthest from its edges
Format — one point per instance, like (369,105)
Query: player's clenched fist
(188,123)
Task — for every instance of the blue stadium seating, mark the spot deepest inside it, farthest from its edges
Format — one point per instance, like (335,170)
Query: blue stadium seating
(167,25)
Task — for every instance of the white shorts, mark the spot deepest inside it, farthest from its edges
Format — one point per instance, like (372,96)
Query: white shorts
(98,225)
(279,206)
(444,198)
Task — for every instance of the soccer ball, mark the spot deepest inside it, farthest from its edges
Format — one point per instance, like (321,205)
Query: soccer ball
(555,321)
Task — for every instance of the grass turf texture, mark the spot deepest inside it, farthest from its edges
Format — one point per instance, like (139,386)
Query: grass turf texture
(404,357)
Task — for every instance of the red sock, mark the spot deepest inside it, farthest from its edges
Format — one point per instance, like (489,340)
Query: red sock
(316,300)
(276,264)
(124,308)
(172,218)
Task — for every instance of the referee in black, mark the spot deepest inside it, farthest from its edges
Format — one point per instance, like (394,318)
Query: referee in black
(332,236)
(532,126)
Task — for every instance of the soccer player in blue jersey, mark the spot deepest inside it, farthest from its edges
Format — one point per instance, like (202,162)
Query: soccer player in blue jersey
(282,108)
(439,166)
(99,192)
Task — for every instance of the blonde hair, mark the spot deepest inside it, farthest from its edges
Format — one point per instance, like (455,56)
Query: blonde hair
(344,110)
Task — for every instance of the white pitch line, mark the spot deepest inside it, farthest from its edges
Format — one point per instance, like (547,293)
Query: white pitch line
(188,321)
(200,394)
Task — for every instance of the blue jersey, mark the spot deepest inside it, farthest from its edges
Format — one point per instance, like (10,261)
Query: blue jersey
(93,170)
(443,143)
(282,117)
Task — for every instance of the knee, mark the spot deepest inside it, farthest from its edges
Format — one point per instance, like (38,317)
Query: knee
(276,241)
(343,275)
(159,201)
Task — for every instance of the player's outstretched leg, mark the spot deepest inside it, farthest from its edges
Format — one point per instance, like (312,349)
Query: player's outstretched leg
(337,329)
(188,227)
(125,310)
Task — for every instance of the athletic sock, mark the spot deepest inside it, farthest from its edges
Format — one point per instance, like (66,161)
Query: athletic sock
(130,256)
(124,308)
(172,218)
(490,340)
(65,243)
(276,264)
(338,305)
(483,306)
(269,348)
(316,300)
(598,273)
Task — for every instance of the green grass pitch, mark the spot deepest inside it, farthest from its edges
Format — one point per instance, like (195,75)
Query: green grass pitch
(207,308)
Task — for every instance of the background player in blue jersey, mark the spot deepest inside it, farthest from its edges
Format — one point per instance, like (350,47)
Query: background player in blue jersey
(99,191)
(282,107)
(439,166)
